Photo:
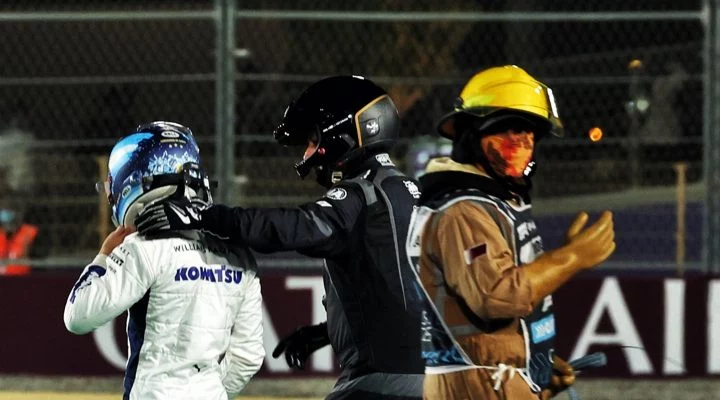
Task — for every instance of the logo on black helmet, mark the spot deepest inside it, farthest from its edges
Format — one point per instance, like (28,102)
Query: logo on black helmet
(372,126)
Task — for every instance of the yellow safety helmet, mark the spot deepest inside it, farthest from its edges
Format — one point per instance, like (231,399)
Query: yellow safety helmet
(499,92)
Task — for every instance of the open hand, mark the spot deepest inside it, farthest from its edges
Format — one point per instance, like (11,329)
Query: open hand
(590,245)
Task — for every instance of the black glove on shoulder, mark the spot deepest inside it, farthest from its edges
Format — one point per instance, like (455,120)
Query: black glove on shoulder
(300,344)
(169,214)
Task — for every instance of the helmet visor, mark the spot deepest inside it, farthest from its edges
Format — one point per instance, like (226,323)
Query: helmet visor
(296,127)
(103,187)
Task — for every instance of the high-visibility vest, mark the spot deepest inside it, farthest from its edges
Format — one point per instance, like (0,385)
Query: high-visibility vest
(15,247)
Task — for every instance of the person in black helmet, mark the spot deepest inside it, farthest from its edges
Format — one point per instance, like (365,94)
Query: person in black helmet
(347,124)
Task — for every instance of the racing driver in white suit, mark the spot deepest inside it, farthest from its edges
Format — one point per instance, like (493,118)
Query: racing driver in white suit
(194,322)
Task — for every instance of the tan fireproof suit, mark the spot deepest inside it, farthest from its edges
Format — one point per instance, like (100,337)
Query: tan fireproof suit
(491,285)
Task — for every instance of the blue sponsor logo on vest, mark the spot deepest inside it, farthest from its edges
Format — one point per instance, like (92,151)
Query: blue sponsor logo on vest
(543,329)
(220,275)
(434,358)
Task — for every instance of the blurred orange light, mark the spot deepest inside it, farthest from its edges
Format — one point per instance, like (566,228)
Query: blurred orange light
(595,134)
(635,64)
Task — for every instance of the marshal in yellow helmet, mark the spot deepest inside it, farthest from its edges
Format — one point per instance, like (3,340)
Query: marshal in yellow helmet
(493,94)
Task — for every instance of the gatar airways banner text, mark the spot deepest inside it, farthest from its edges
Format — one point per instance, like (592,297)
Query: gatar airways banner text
(648,326)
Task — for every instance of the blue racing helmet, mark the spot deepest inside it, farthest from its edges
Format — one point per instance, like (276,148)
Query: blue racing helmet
(158,160)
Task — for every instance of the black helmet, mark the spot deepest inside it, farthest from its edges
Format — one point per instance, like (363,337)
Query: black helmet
(350,117)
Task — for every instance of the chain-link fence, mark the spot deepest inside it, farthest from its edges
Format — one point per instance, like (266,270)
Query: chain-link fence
(78,76)
(72,82)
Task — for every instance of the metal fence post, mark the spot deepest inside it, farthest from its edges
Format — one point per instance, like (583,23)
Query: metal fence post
(224,98)
(633,139)
(711,151)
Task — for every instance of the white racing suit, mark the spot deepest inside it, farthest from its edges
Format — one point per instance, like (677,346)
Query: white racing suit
(194,323)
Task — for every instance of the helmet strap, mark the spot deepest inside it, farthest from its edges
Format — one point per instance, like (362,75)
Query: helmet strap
(336,176)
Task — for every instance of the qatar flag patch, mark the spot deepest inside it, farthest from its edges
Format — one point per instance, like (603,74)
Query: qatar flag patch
(475,252)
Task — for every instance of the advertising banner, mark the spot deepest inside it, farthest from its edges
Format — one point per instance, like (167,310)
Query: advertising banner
(649,326)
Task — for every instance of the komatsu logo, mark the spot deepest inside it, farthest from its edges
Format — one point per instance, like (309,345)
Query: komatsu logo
(219,275)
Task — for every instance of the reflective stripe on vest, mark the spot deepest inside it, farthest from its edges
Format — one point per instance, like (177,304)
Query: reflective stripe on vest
(15,247)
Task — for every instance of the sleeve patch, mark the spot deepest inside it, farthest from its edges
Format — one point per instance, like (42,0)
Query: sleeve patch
(116,259)
(475,252)
(93,272)
(336,194)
